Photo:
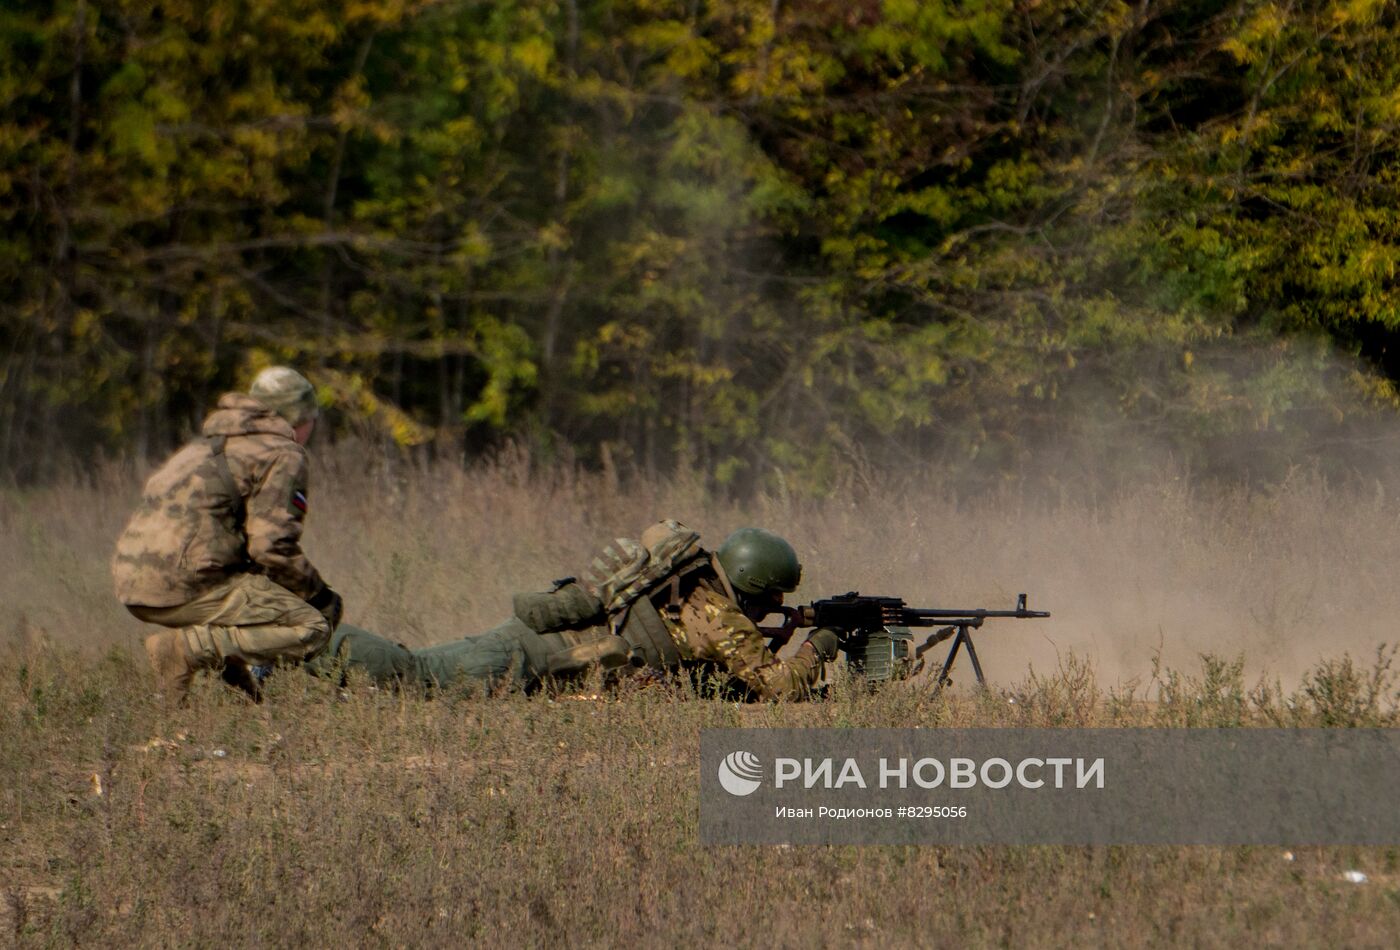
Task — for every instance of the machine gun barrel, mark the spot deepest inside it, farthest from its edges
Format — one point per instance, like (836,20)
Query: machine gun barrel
(921,617)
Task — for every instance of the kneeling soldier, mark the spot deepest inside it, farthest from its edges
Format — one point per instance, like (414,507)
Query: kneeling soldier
(214,549)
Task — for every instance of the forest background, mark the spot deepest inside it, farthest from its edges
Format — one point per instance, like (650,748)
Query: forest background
(765,241)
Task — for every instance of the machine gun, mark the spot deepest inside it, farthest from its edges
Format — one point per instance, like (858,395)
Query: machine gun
(875,635)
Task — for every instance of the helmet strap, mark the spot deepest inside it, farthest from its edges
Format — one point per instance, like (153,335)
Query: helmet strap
(723,577)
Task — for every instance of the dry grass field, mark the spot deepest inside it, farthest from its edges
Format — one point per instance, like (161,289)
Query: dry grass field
(368,817)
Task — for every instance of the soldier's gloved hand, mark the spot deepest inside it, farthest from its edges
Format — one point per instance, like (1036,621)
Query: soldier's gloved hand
(331,606)
(825,642)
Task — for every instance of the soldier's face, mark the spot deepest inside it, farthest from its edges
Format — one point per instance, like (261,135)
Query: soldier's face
(303,431)
(758,606)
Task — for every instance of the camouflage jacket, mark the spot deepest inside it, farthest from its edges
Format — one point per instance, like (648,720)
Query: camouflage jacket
(712,628)
(209,513)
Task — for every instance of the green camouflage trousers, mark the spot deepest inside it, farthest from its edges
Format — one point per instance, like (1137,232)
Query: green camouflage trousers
(249,618)
(509,655)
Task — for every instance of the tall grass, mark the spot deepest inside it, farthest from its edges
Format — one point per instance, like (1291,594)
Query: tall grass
(363,816)
(1283,578)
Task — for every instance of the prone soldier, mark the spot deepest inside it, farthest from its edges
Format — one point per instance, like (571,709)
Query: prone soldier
(214,549)
(663,602)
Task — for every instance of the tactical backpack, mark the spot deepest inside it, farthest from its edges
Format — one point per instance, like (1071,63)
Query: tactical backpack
(622,590)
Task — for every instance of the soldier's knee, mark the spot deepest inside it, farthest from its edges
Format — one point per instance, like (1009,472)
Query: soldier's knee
(313,635)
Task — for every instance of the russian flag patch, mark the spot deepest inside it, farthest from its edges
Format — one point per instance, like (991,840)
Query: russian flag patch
(299,501)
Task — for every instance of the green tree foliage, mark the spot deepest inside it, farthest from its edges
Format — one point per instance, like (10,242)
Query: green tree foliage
(756,239)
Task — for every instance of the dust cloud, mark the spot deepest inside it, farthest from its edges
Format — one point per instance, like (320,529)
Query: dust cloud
(1244,501)
(1284,574)
(1284,578)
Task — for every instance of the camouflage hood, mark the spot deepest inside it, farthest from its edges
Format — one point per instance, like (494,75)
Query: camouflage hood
(241,414)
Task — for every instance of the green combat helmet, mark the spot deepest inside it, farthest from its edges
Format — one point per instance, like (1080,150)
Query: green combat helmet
(759,561)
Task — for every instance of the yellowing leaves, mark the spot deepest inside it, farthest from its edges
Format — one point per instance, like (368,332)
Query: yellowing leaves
(1241,51)
(1360,12)
(133,132)
(722,232)
(507,354)
(352,394)
(685,54)
(535,54)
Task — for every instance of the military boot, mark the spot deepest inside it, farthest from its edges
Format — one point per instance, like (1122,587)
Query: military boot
(607,652)
(174,665)
(239,675)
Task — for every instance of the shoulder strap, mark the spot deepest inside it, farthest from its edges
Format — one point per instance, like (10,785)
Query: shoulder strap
(216,444)
(673,586)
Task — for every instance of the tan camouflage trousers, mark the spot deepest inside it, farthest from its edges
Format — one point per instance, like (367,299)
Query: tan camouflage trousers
(248,618)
